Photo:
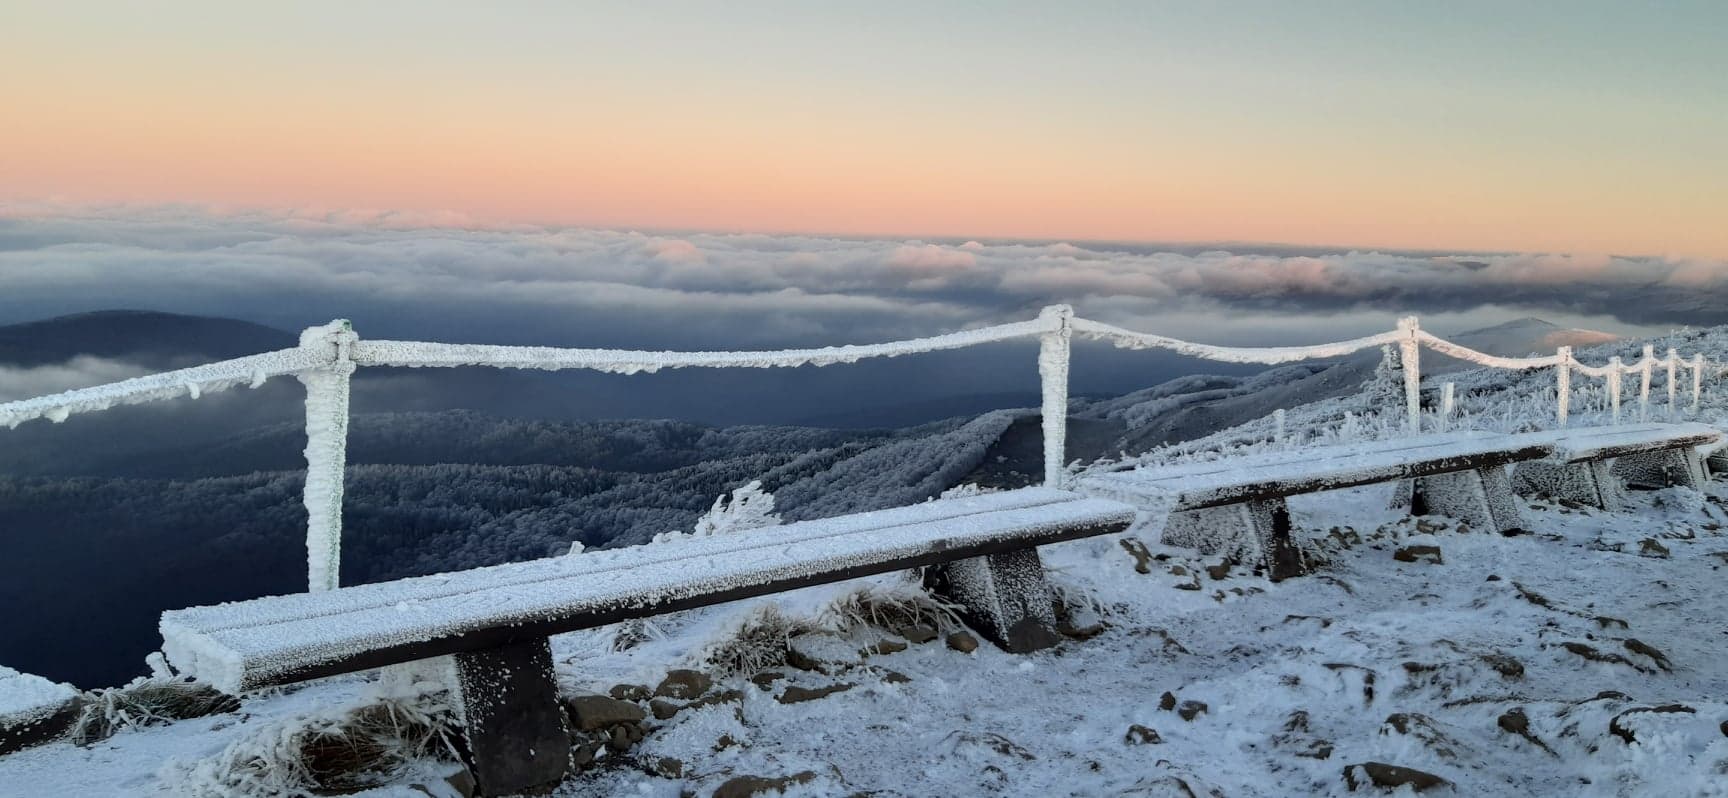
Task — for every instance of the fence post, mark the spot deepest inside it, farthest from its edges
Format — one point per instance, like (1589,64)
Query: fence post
(1697,380)
(326,450)
(1278,426)
(1673,364)
(1053,352)
(1614,369)
(1563,385)
(1410,353)
(1644,383)
(1446,403)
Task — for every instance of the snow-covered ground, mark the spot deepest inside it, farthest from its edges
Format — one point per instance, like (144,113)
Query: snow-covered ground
(1415,664)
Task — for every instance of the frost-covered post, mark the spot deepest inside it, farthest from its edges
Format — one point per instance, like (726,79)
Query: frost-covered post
(1644,383)
(1563,384)
(1278,426)
(1053,351)
(1673,365)
(1614,370)
(1410,352)
(1697,379)
(326,449)
(1447,400)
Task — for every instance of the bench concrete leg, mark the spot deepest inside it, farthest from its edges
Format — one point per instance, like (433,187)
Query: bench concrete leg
(1667,468)
(507,700)
(1502,502)
(1716,463)
(1257,531)
(1465,496)
(1589,483)
(1003,596)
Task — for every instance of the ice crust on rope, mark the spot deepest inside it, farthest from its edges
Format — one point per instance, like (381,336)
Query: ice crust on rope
(26,697)
(417,354)
(252,371)
(1270,355)
(239,645)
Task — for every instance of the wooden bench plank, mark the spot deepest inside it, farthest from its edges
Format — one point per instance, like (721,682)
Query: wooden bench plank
(1309,471)
(1588,463)
(276,640)
(1600,443)
(33,710)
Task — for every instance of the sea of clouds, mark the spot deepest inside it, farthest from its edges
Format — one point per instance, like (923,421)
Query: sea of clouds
(446,277)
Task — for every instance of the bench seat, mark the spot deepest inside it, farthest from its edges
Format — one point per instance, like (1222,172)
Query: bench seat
(33,709)
(1236,506)
(1588,464)
(495,622)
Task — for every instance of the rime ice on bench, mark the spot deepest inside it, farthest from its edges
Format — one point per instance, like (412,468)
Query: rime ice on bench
(496,620)
(1588,464)
(1236,507)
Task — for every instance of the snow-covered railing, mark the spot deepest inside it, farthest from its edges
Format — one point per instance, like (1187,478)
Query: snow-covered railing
(328,355)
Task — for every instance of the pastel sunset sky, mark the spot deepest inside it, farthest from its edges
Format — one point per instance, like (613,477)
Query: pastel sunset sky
(1579,127)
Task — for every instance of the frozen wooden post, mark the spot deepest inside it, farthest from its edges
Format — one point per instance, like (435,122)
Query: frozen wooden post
(1614,371)
(1410,352)
(1278,426)
(1697,379)
(326,450)
(1673,366)
(1563,384)
(1446,403)
(1053,352)
(1644,383)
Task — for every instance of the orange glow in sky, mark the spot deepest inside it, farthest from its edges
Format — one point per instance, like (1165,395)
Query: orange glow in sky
(1295,123)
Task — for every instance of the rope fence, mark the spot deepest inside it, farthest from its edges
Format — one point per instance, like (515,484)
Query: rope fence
(328,355)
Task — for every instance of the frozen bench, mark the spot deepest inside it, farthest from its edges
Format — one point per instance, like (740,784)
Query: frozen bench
(1236,506)
(1588,463)
(495,621)
(33,710)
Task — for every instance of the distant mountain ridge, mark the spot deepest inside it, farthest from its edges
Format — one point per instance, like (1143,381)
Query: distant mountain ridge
(163,340)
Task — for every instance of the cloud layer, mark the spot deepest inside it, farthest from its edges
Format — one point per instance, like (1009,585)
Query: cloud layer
(452,279)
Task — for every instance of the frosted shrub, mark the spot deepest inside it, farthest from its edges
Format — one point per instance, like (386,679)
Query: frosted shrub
(750,507)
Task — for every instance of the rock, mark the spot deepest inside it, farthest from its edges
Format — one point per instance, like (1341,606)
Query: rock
(797,695)
(918,633)
(1142,735)
(1380,774)
(1639,647)
(1194,585)
(766,679)
(1493,578)
(1190,710)
(1607,622)
(722,697)
(592,712)
(663,709)
(1142,557)
(1619,729)
(1177,570)
(1507,666)
(669,767)
(1428,527)
(821,653)
(1069,627)
(619,739)
(963,642)
(1724,728)
(1218,572)
(886,645)
(1418,553)
(683,684)
(751,786)
(631,692)
(1167,701)
(1515,721)
(895,677)
(1649,547)
(585,755)
(1611,695)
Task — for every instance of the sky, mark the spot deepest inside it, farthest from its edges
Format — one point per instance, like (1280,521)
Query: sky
(1575,128)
